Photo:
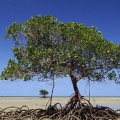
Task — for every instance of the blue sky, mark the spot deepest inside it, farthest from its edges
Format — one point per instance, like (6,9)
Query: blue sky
(103,14)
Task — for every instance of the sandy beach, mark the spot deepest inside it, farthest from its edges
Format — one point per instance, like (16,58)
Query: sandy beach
(26,103)
(37,102)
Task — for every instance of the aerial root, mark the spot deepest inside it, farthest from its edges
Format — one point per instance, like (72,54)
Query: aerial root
(56,112)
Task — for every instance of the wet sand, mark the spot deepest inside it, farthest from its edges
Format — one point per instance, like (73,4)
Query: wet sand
(37,102)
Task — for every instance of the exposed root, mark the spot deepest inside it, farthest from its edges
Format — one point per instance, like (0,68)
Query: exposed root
(72,111)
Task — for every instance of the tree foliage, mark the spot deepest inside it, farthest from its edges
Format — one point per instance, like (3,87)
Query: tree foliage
(45,47)
(43,92)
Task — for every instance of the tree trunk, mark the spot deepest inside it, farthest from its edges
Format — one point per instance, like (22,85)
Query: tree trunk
(74,83)
(44,96)
(77,98)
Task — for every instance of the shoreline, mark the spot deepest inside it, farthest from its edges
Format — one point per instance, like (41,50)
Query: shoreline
(38,102)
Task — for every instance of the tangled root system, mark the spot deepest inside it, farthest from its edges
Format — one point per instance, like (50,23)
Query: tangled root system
(72,111)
